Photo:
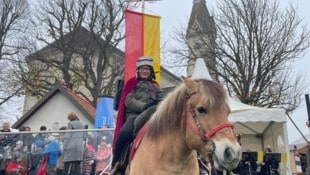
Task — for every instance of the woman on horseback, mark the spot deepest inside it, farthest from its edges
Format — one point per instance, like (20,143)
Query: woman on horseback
(140,93)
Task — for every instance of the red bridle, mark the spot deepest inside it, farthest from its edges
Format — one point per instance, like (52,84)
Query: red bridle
(198,129)
(209,134)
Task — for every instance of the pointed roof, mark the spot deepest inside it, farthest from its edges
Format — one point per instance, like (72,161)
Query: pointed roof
(201,15)
(85,107)
(78,39)
(200,70)
(82,37)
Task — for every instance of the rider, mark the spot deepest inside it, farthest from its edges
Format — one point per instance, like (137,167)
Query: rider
(140,93)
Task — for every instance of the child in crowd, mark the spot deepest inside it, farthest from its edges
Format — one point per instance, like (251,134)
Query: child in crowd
(16,166)
(60,163)
(88,159)
(36,155)
(103,157)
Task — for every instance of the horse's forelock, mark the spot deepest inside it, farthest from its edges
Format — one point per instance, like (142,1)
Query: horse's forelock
(168,114)
(215,95)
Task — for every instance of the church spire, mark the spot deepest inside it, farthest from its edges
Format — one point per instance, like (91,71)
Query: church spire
(198,1)
(201,34)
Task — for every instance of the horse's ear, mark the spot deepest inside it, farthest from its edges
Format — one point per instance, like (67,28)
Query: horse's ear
(190,83)
(186,80)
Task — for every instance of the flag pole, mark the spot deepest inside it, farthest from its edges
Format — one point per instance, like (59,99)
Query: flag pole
(143,5)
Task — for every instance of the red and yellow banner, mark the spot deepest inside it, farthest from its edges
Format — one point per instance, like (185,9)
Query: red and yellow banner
(142,33)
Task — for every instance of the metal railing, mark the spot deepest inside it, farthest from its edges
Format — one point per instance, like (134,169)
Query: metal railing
(93,144)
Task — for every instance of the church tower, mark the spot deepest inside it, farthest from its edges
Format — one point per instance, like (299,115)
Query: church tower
(200,36)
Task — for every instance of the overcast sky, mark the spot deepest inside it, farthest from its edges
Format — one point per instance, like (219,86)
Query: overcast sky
(175,13)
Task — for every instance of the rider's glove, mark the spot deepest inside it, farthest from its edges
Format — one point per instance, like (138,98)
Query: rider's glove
(149,104)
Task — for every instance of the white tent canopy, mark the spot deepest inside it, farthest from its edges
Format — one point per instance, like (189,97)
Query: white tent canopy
(260,127)
(253,120)
(243,113)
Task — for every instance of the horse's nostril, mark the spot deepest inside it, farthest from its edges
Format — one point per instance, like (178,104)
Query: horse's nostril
(231,156)
(228,155)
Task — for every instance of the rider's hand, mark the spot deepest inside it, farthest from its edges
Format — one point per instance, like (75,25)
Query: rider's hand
(149,104)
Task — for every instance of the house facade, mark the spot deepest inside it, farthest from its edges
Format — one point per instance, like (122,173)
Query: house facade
(52,110)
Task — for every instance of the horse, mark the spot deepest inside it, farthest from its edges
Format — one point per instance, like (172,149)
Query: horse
(191,120)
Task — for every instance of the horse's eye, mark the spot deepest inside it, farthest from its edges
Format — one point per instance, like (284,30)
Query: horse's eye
(202,110)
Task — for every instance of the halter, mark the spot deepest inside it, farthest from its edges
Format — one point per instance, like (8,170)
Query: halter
(205,137)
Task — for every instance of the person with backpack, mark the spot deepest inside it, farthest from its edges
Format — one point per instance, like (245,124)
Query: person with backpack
(139,94)
(52,151)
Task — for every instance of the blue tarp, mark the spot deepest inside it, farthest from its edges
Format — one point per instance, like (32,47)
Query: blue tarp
(104,112)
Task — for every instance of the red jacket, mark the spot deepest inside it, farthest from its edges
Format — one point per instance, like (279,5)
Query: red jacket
(120,120)
(18,168)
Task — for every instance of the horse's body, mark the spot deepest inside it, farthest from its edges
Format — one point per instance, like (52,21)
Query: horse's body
(184,123)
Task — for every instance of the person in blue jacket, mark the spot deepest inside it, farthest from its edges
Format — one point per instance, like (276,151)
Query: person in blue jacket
(52,151)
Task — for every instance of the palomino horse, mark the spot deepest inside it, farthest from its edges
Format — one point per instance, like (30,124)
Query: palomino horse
(191,119)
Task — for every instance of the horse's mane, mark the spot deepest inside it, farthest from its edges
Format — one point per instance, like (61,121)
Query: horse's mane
(168,116)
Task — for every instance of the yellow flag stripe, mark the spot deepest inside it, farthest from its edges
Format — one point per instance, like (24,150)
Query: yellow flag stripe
(151,41)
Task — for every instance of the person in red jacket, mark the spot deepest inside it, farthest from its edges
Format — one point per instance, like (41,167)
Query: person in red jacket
(16,166)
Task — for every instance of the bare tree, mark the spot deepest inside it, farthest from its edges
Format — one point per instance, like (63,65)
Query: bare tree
(254,46)
(82,39)
(14,16)
(12,24)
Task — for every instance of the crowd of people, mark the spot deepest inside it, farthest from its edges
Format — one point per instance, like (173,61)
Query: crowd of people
(54,153)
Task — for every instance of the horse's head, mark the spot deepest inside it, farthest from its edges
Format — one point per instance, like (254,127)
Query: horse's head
(208,130)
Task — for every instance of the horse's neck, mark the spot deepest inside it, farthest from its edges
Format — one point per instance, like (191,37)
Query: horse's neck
(164,153)
(168,153)
(174,147)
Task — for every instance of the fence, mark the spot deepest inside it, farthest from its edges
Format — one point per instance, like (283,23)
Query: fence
(91,147)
